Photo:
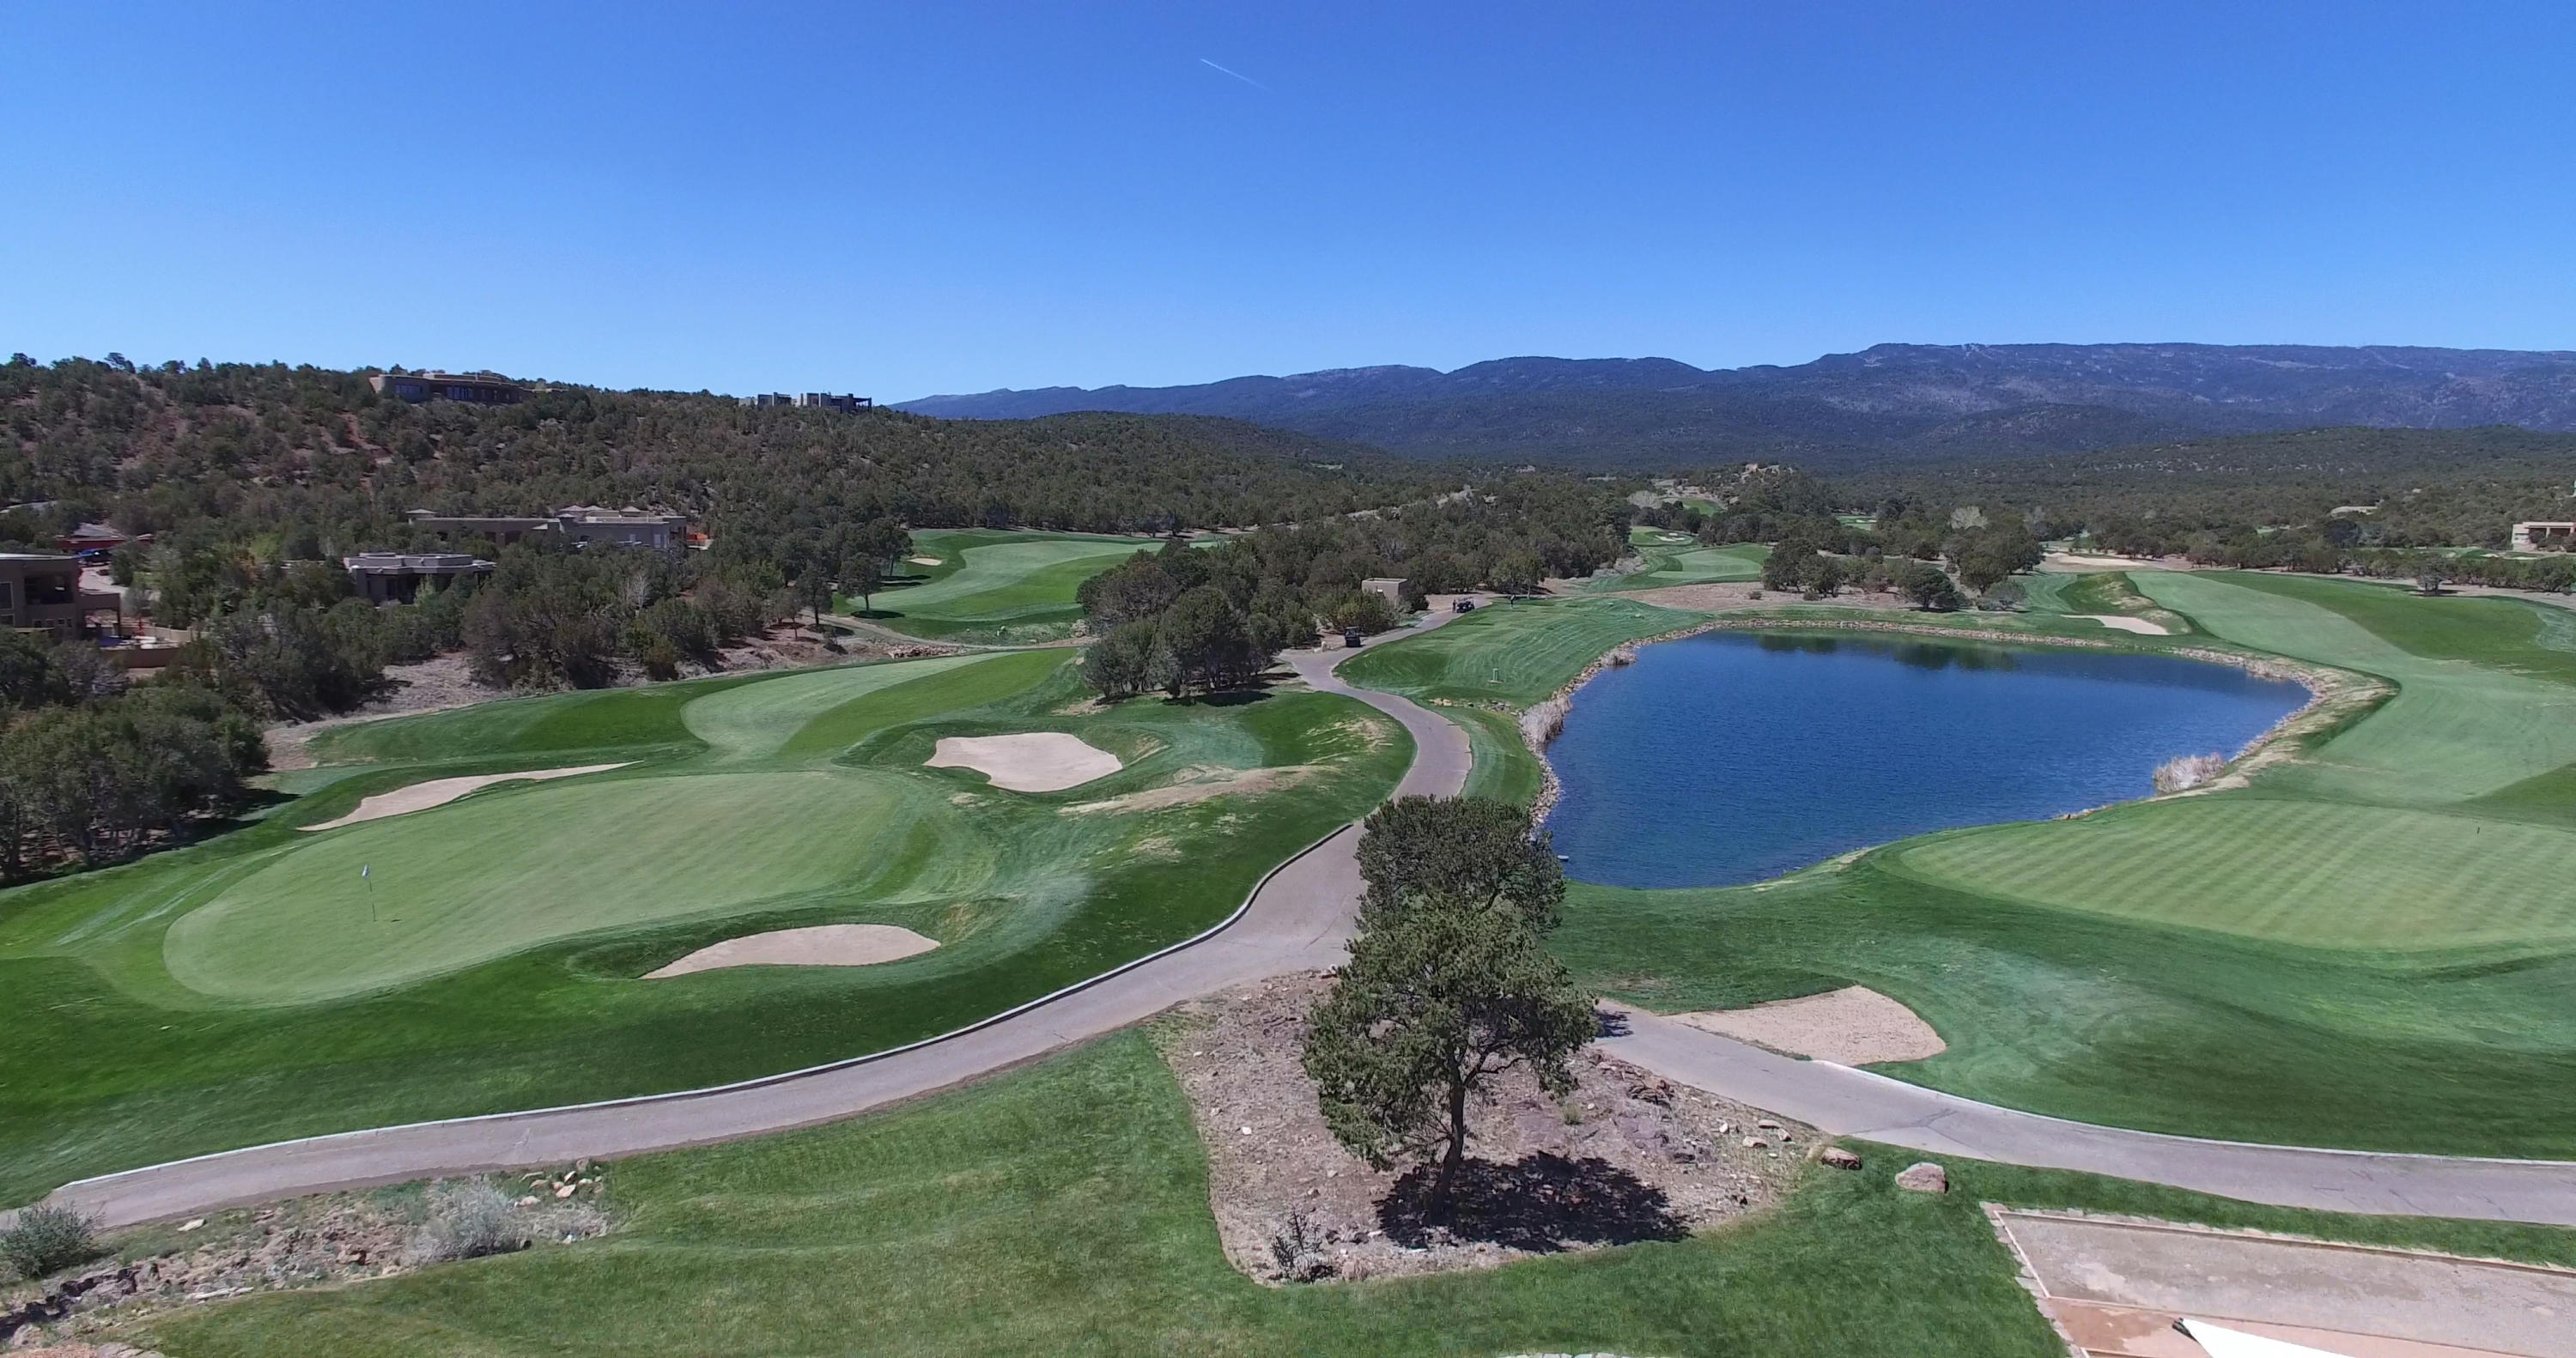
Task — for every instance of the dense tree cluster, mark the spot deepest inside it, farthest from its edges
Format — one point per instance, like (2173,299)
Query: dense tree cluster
(92,770)
(1192,619)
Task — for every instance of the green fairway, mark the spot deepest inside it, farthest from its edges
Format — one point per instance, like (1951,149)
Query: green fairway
(2295,871)
(994,585)
(1064,1209)
(257,986)
(1512,653)
(2481,703)
(2369,947)
(1683,563)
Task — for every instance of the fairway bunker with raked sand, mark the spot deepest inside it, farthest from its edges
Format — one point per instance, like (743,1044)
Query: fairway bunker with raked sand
(441,791)
(821,945)
(1030,761)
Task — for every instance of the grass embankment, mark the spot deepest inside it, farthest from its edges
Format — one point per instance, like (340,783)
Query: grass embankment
(1064,1209)
(1483,669)
(257,987)
(2369,947)
(996,586)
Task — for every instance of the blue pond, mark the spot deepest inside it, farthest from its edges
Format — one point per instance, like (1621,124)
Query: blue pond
(1727,757)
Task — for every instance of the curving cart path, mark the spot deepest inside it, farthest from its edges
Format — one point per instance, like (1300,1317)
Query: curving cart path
(1299,918)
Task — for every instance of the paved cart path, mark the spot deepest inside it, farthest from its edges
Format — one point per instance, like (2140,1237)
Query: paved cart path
(1299,918)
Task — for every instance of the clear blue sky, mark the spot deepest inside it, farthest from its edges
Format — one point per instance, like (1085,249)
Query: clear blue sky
(902,200)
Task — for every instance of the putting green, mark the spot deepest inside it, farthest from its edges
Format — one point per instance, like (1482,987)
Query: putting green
(2313,873)
(1685,564)
(469,882)
(1005,580)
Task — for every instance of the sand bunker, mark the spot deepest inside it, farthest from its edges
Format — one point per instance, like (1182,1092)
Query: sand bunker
(441,791)
(1197,784)
(1855,1026)
(823,945)
(2121,622)
(923,560)
(1036,761)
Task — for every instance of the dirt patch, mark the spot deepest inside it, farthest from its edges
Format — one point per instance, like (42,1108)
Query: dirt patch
(1627,1157)
(2122,622)
(1032,761)
(1855,1026)
(822,945)
(433,685)
(306,1242)
(441,791)
(1198,783)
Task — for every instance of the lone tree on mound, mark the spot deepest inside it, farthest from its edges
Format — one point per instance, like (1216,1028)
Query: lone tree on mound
(1449,984)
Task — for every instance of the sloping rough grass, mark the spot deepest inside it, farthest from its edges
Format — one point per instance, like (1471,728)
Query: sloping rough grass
(2294,871)
(499,965)
(1063,1209)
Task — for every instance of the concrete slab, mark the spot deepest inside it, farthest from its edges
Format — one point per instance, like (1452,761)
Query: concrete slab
(2330,1296)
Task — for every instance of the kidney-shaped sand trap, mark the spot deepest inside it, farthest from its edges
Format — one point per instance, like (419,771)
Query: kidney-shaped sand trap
(1855,1026)
(441,791)
(1034,761)
(823,945)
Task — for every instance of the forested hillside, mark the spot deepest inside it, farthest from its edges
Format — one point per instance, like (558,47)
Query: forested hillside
(316,456)
(1889,405)
(2423,487)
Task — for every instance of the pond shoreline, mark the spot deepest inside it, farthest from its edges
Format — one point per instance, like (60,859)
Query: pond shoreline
(2334,696)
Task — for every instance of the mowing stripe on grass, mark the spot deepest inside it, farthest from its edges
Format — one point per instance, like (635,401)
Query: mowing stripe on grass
(2313,873)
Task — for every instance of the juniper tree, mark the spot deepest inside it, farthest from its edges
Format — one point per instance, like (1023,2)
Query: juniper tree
(1449,985)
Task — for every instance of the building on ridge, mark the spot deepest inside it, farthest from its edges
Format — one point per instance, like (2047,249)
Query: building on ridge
(474,388)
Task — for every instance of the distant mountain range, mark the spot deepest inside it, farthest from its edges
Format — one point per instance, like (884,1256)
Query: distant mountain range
(1892,404)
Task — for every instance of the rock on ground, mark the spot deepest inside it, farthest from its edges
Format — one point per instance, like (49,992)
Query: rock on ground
(1925,1177)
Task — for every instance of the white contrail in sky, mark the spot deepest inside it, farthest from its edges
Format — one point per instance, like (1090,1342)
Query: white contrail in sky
(1239,76)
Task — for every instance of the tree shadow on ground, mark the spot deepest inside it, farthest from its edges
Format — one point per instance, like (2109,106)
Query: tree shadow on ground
(1541,1203)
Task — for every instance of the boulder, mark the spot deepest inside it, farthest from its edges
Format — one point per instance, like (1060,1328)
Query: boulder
(1925,1177)
(1839,1158)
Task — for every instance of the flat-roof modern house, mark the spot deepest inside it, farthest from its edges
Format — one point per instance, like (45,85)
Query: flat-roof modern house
(1388,588)
(475,388)
(40,592)
(2544,535)
(396,577)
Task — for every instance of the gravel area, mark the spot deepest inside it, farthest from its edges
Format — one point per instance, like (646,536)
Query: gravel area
(1627,1157)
